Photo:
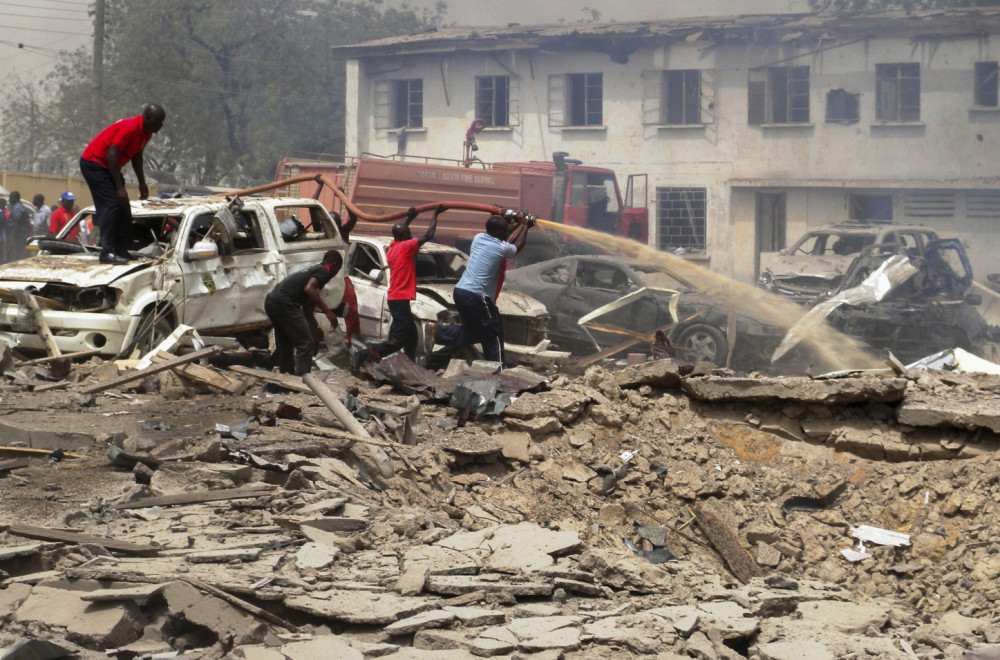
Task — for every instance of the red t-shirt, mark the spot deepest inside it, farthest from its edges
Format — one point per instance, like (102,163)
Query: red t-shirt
(58,220)
(126,134)
(402,269)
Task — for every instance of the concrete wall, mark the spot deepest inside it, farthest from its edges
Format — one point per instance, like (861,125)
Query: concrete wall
(951,141)
(52,186)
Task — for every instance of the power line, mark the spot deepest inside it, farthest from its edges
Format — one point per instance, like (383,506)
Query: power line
(34,29)
(47,18)
(14,4)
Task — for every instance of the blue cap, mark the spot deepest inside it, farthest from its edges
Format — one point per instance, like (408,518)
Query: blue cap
(68,196)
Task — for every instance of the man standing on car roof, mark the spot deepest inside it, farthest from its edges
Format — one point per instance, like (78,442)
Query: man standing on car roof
(101,165)
(401,256)
(476,292)
(291,306)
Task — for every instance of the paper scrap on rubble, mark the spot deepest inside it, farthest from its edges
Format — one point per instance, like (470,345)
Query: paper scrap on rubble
(855,555)
(880,536)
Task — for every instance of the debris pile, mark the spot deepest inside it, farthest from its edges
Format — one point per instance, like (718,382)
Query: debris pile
(226,511)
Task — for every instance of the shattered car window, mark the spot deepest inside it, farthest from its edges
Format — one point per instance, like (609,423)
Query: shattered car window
(365,262)
(560,274)
(439,267)
(603,276)
(304,223)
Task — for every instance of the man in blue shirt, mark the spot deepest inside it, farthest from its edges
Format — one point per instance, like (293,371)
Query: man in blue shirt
(476,292)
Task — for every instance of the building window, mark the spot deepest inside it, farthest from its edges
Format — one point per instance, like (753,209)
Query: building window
(680,218)
(682,97)
(585,105)
(408,103)
(493,100)
(789,93)
(870,208)
(897,90)
(986,84)
(842,106)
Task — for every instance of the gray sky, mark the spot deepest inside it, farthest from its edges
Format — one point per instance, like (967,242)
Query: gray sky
(45,27)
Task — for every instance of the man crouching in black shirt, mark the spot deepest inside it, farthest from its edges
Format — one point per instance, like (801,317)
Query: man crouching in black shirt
(291,308)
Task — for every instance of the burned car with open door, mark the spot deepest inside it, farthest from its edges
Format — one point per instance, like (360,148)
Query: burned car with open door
(929,311)
(597,303)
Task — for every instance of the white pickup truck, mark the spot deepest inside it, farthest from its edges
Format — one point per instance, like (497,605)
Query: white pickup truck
(207,262)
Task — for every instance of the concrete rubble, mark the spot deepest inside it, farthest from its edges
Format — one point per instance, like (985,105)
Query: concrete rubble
(619,512)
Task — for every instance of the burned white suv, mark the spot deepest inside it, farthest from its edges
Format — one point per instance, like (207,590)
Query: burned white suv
(207,262)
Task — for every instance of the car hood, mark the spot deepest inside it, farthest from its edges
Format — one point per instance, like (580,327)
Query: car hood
(75,270)
(510,303)
(823,267)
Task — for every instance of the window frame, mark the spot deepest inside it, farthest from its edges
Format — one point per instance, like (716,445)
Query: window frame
(407,112)
(894,82)
(851,101)
(687,84)
(785,95)
(492,105)
(698,222)
(986,74)
(581,99)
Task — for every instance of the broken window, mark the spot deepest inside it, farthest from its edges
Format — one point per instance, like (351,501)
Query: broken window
(365,262)
(681,218)
(682,97)
(304,223)
(585,99)
(559,274)
(408,103)
(986,84)
(870,208)
(493,100)
(842,106)
(897,92)
(599,275)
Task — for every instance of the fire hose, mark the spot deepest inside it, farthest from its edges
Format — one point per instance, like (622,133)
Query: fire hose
(514,216)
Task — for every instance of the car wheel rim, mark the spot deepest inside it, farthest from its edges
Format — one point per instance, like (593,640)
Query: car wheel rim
(702,347)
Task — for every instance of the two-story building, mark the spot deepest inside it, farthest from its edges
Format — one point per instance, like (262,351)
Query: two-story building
(751,129)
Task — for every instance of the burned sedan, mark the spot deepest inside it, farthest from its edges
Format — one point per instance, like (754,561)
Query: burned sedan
(439,267)
(814,265)
(598,302)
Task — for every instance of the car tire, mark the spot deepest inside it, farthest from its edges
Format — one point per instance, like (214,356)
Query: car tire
(154,326)
(702,343)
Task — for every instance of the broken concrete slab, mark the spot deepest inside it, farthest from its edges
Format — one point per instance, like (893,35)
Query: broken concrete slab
(532,627)
(845,617)
(494,641)
(564,639)
(834,391)
(91,625)
(475,617)
(441,560)
(326,646)
(969,410)
(535,426)
(224,556)
(359,607)
(566,406)
(189,604)
(315,556)
(515,446)
(515,548)
(456,585)
(657,373)
(422,621)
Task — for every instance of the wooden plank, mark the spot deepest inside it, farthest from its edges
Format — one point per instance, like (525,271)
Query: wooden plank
(13,464)
(28,300)
(196,498)
(48,534)
(287,381)
(139,593)
(61,385)
(27,451)
(206,375)
(65,356)
(728,545)
(208,351)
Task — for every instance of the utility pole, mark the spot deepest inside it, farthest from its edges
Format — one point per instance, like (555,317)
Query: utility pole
(98,90)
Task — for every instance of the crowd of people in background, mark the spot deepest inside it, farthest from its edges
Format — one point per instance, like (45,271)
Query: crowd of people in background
(19,221)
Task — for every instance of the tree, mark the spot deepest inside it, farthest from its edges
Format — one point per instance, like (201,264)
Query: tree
(243,81)
(856,6)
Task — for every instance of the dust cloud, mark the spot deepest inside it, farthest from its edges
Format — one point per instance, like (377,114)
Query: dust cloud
(828,349)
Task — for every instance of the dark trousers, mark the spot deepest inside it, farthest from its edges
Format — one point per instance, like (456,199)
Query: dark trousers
(293,337)
(113,219)
(402,331)
(480,324)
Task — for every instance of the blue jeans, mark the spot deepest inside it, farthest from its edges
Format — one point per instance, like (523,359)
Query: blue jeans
(480,325)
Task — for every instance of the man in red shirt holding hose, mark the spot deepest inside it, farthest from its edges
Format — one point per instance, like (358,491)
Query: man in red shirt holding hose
(101,165)
(401,256)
